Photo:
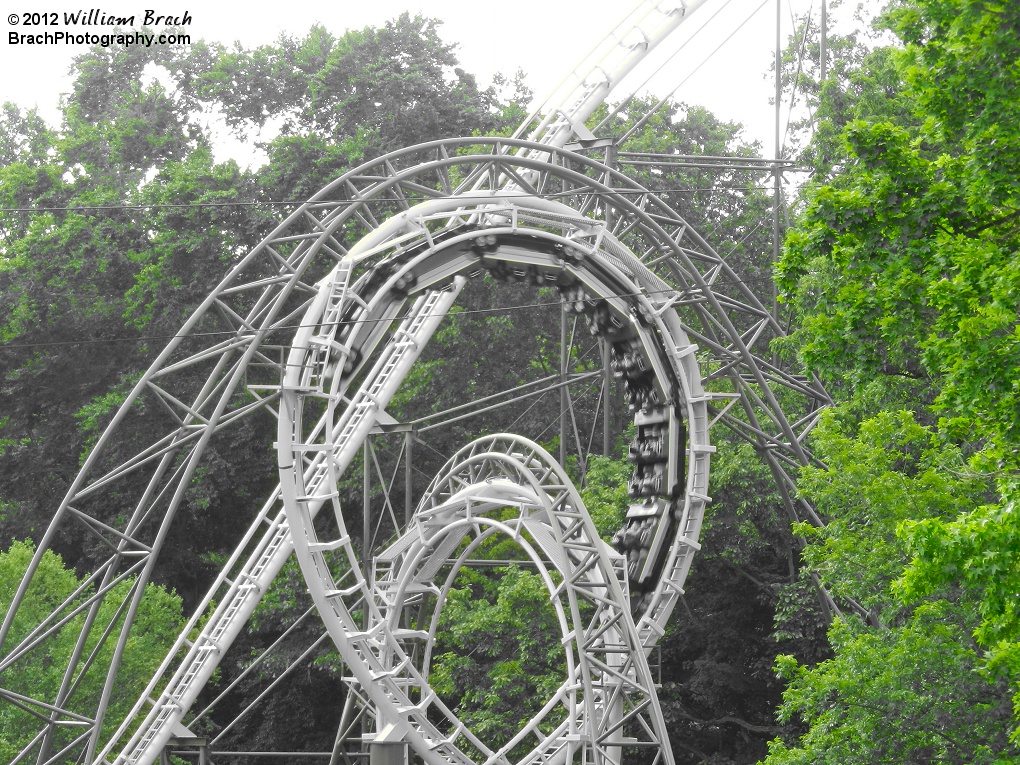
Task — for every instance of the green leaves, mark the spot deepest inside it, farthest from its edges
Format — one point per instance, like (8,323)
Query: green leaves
(905,266)
(915,685)
(913,693)
(40,675)
(976,552)
(386,87)
(605,495)
(887,470)
(962,63)
(498,653)
(24,137)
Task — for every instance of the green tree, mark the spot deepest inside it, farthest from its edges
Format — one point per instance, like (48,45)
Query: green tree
(910,684)
(129,222)
(903,274)
(727,206)
(24,136)
(916,692)
(158,622)
(745,602)
(498,656)
(341,100)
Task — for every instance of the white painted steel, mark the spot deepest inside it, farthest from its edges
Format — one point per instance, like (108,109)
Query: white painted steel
(562,114)
(671,258)
(370,650)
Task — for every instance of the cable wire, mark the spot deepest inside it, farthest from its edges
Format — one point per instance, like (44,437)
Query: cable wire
(626,101)
(342,201)
(641,123)
(464,312)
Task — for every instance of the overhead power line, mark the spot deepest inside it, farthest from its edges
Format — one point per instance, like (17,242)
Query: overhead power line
(648,115)
(637,158)
(339,201)
(630,98)
(223,333)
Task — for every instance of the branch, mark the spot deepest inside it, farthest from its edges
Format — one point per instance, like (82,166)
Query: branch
(730,719)
(770,729)
(886,713)
(764,586)
(972,232)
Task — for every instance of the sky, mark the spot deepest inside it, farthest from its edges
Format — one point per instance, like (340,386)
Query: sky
(544,39)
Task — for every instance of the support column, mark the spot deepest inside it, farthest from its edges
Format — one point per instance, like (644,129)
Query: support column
(824,44)
(408,477)
(387,748)
(564,367)
(366,502)
(607,377)
(777,188)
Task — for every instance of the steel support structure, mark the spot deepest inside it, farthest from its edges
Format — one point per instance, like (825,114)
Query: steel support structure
(275,288)
(317,327)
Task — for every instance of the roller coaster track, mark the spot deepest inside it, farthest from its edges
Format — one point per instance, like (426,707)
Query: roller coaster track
(368,269)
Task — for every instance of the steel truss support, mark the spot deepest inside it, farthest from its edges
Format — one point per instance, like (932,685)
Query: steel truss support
(701,330)
(608,687)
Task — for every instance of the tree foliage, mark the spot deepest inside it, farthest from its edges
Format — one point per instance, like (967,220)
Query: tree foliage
(902,271)
(117,223)
(159,620)
(498,657)
(945,708)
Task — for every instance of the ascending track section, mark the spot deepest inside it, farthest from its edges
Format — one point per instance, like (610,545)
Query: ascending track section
(317,328)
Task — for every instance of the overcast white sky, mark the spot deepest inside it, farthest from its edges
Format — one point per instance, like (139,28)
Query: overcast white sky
(541,37)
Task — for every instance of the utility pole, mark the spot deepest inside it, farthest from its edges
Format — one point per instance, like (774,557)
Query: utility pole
(607,374)
(824,41)
(777,184)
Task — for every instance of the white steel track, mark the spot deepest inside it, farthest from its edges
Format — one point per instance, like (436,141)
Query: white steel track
(310,267)
(676,268)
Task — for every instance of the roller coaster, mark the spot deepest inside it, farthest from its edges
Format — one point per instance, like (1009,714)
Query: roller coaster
(320,326)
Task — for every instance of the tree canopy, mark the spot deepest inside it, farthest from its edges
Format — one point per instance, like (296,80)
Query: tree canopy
(118,222)
(159,618)
(902,273)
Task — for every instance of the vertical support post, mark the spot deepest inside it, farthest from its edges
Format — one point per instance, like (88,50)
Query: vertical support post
(779,72)
(777,188)
(408,475)
(563,388)
(824,43)
(614,753)
(387,748)
(366,531)
(607,377)
(387,754)
(366,501)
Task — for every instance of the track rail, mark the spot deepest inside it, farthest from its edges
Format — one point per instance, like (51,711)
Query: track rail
(195,382)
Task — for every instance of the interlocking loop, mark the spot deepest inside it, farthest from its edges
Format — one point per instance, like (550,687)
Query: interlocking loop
(391,243)
(424,256)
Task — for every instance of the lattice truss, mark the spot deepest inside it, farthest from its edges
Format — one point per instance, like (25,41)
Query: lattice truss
(608,687)
(366,270)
